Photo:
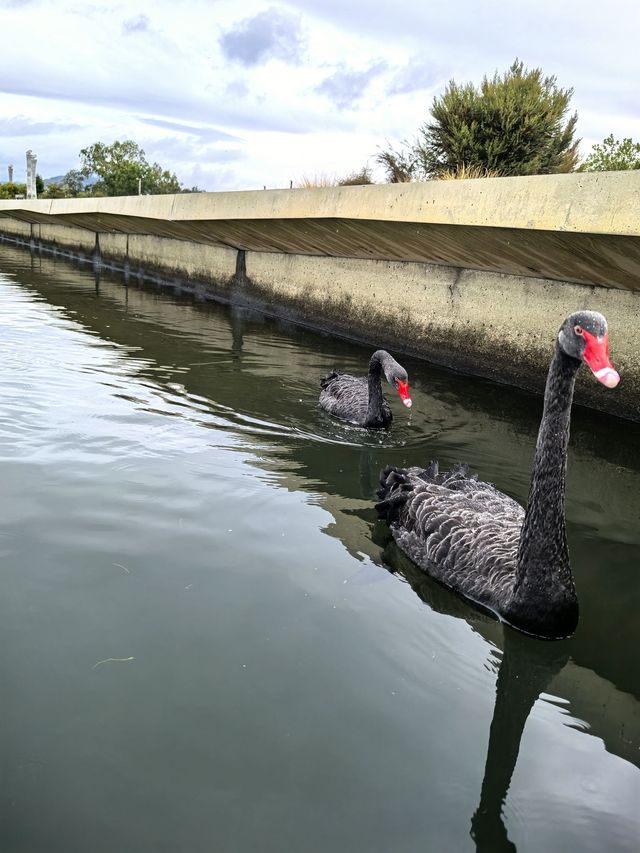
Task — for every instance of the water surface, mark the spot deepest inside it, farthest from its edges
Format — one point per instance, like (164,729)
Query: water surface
(208,641)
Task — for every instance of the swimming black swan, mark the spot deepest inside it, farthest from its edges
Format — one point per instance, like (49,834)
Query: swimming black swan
(358,399)
(481,543)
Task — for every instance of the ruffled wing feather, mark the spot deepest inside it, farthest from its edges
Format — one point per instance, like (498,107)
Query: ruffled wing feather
(461,531)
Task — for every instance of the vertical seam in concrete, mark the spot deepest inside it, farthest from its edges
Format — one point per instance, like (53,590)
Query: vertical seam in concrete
(454,287)
(241,266)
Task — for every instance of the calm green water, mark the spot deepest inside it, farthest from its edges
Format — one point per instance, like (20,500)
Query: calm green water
(208,643)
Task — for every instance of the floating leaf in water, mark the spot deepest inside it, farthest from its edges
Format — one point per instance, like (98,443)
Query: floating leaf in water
(107,660)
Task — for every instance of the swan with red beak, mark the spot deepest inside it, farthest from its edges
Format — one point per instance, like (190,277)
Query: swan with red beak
(481,543)
(359,399)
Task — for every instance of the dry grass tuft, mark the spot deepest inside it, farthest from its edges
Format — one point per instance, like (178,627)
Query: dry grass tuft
(464,172)
(309,182)
(358,178)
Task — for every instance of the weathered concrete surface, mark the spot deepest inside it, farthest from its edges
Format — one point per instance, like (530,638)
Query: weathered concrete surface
(174,258)
(499,326)
(598,203)
(475,275)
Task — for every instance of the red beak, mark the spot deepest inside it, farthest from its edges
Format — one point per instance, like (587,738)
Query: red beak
(596,354)
(403,390)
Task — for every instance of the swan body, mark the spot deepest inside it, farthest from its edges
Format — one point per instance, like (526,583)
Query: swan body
(481,543)
(359,399)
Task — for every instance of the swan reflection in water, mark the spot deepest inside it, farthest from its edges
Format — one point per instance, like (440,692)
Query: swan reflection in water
(526,668)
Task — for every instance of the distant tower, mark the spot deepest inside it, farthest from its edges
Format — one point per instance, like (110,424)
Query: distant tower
(32,159)
(10,174)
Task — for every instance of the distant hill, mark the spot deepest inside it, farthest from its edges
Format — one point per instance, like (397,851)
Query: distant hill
(58,178)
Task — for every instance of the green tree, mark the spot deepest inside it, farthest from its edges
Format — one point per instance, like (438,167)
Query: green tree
(121,166)
(39,185)
(613,156)
(513,124)
(74,182)
(11,190)
(56,190)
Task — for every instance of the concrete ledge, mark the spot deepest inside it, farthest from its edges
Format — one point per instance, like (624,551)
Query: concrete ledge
(588,203)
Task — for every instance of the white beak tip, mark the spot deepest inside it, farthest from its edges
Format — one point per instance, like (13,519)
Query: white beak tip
(608,376)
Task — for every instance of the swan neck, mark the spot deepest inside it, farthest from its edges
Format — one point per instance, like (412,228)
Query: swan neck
(374,408)
(543,572)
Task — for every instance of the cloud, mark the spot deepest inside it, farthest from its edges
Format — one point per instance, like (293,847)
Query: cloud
(345,86)
(272,34)
(133,94)
(415,76)
(139,24)
(237,89)
(187,151)
(23,126)
(204,134)
(299,86)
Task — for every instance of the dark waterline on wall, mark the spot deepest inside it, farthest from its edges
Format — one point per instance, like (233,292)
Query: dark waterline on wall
(210,642)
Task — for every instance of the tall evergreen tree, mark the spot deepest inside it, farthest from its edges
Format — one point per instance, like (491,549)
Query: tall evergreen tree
(513,124)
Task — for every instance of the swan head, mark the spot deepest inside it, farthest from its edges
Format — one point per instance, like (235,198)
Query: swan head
(396,375)
(403,390)
(399,380)
(584,336)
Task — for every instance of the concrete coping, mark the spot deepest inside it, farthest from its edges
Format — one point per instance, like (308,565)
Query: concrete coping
(593,203)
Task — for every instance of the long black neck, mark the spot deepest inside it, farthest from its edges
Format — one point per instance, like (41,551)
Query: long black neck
(544,599)
(375,412)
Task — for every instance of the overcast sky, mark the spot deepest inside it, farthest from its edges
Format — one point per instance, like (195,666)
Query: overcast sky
(236,95)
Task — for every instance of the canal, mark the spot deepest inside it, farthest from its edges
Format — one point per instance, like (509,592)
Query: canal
(210,644)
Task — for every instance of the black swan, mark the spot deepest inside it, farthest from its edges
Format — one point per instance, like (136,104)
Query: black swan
(359,399)
(481,543)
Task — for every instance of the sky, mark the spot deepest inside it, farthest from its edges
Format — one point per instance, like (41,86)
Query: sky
(245,94)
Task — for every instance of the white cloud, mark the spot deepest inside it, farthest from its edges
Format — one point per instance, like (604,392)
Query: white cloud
(138,24)
(347,86)
(272,34)
(276,90)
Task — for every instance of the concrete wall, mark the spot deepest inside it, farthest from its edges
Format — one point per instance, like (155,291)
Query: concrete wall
(476,275)
(499,326)
(581,227)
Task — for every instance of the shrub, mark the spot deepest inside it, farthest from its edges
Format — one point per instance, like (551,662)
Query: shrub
(513,124)
(613,156)
(358,178)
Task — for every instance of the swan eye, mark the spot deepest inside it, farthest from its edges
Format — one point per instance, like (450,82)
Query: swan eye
(578,330)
